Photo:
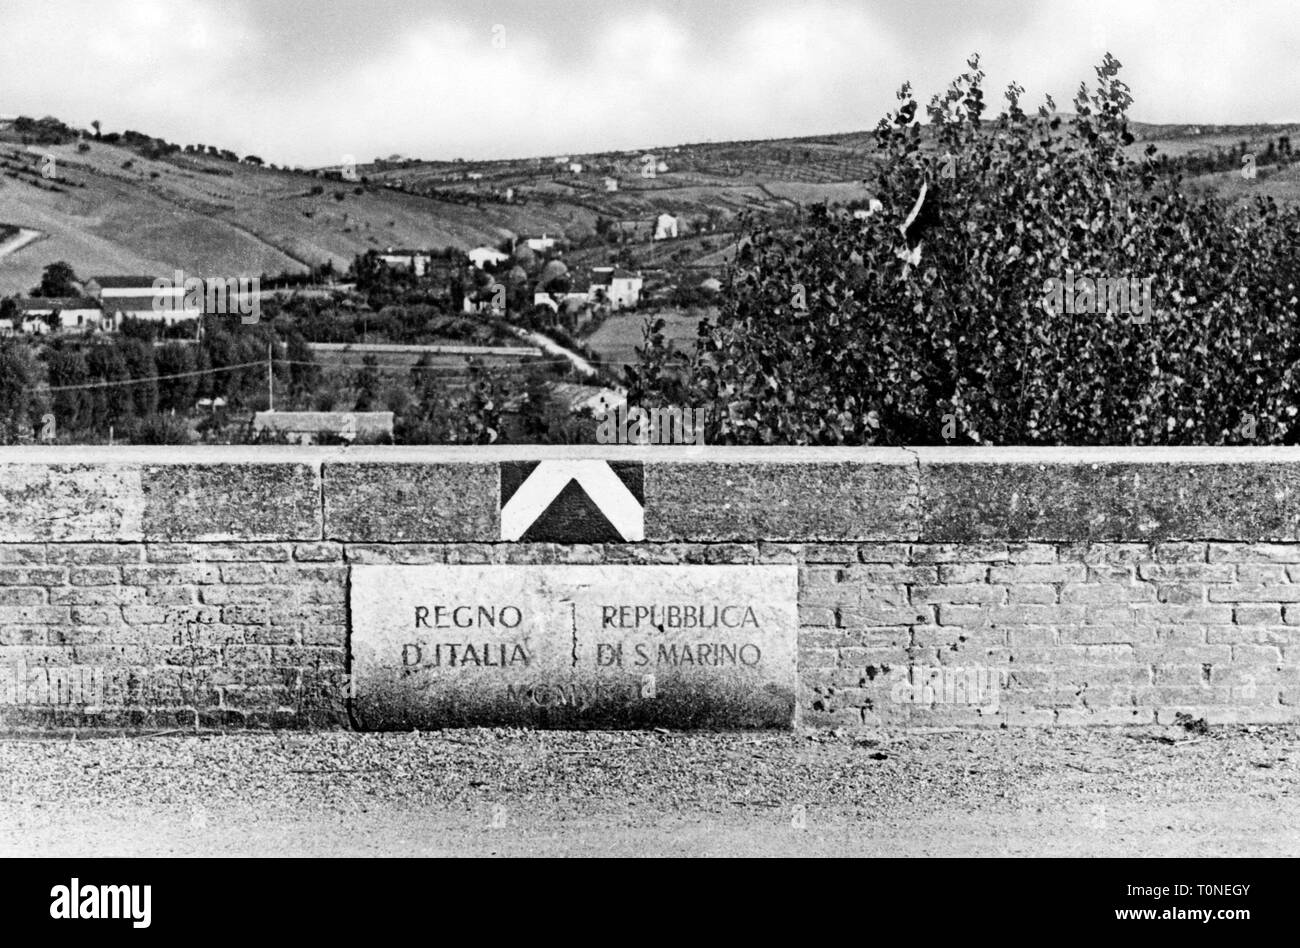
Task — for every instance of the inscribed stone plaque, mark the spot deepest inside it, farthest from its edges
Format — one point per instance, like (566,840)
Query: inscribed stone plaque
(574,646)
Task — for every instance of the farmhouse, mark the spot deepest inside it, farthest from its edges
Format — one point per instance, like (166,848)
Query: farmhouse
(142,297)
(487,256)
(540,244)
(310,427)
(579,398)
(410,261)
(568,300)
(75,314)
(665,227)
(105,288)
(621,289)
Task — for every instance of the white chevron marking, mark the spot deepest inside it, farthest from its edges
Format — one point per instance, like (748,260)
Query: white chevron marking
(602,485)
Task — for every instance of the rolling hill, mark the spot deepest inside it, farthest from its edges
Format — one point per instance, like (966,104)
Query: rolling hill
(108,208)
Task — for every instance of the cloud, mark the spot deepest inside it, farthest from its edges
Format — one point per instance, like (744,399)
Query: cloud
(309,82)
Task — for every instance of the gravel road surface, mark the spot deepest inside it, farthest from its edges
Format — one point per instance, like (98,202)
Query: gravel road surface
(1094,792)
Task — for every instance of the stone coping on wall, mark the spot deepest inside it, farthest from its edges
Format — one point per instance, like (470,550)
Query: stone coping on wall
(689,494)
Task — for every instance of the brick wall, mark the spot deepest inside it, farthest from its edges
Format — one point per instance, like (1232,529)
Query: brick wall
(157,589)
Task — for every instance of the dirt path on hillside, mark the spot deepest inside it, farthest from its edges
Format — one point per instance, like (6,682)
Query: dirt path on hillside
(1120,792)
(24,237)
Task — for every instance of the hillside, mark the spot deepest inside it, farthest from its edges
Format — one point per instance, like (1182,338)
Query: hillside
(109,209)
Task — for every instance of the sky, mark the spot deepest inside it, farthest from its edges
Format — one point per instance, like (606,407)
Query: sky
(312,81)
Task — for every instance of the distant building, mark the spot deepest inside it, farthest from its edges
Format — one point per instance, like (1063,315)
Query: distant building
(540,244)
(863,213)
(118,287)
(575,167)
(665,227)
(662,167)
(620,288)
(562,159)
(566,300)
(489,298)
(74,314)
(142,297)
(611,184)
(474,175)
(309,427)
(487,256)
(411,261)
(578,398)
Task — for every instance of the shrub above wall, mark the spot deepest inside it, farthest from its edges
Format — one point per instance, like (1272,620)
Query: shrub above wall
(926,322)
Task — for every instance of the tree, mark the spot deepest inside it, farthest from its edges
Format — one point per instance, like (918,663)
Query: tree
(110,404)
(19,407)
(304,374)
(141,365)
(367,384)
(58,279)
(176,394)
(931,319)
(68,373)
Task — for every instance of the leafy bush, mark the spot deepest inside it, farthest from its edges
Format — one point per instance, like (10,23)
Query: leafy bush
(925,321)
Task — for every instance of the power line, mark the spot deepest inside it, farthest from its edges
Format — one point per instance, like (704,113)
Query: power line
(445,370)
(423,368)
(151,378)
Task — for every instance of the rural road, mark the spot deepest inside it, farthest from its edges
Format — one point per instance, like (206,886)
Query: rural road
(1111,792)
(23,238)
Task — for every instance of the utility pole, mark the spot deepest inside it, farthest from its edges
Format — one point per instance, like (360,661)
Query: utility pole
(270,380)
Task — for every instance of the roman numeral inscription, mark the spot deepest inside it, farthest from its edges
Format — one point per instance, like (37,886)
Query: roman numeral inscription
(574,646)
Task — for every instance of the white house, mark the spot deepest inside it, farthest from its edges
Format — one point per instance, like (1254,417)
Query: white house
(75,314)
(127,287)
(540,244)
(665,227)
(620,288)
(414,261)
(863,213)
(307,427)
(611,184)
(487,256)
(555,301)
(575,167)
(155,307)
